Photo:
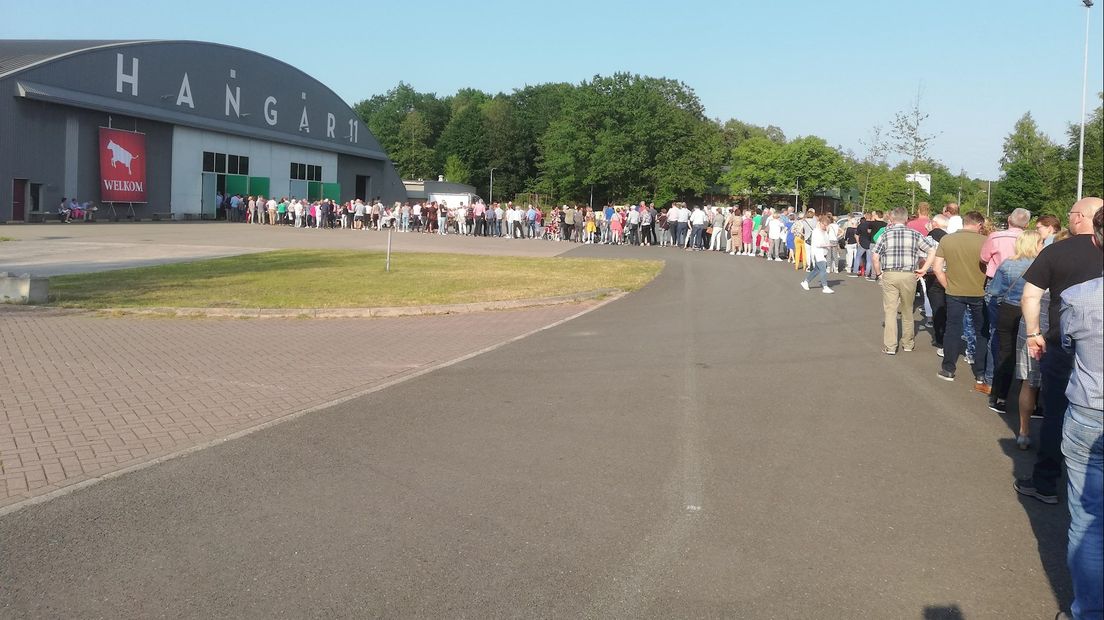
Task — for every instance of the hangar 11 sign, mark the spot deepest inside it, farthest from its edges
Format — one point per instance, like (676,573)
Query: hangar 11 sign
(122,166)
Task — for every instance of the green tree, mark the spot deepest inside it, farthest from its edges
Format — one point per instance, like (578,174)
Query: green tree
(629,137)
(736,132)
(535,108)
(888,188)
(411,152)
(1021,187)
(815,165)
(1026,143)
(754,169)
(505,139)
(456,171)
(1093,183)
(384,115)
(465,139)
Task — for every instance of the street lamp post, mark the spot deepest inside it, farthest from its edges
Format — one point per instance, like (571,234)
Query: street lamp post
(490,197)
(988,198)
(1084,92)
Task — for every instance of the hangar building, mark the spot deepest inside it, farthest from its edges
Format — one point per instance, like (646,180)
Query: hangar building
(160,127)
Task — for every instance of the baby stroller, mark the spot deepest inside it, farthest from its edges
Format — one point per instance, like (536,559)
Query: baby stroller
(551,230)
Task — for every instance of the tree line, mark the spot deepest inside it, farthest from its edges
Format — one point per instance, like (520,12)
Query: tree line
(625,137)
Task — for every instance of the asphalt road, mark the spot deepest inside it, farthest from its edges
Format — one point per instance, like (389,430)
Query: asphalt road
(719,444)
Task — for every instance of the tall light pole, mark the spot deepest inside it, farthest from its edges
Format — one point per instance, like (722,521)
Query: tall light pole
(1084,92)
(988,198)
(490,198)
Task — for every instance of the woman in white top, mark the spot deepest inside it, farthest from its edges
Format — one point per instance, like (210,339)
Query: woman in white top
(818,254)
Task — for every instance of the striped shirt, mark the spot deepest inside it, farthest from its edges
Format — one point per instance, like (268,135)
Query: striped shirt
(900,247)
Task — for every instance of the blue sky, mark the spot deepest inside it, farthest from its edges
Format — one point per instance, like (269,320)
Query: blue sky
(831,68)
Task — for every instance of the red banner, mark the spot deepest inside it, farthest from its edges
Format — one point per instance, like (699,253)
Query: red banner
(122,166)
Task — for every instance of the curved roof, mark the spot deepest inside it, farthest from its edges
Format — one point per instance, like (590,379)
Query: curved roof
(19,54)
(186,86)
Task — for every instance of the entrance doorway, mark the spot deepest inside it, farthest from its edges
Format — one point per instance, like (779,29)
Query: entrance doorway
(363,186)
(19,200)
(36,198)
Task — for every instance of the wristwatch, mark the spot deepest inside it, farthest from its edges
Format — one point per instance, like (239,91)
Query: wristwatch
(1034,335)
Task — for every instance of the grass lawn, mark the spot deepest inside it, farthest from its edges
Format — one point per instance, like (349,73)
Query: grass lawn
(2,239)
(345,279)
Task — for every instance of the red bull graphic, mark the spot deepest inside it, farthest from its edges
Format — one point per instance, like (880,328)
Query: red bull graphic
(122,166)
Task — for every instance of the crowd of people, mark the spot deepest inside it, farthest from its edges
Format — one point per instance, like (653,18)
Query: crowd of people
(70,210)
(1021,304)
(1025,308)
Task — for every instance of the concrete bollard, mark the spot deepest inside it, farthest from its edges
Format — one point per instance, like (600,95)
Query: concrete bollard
(24,289)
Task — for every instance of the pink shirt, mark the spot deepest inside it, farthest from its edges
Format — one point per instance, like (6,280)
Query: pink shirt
(999,247)
(920,225)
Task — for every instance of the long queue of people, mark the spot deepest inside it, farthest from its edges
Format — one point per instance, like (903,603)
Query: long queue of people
(1022,305)
(1025,307)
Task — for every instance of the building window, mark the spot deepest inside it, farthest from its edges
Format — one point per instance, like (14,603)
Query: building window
(221,163)
(305,172)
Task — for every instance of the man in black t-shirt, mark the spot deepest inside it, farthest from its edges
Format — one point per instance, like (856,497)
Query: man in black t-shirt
(1058,267)
(872,227)
(862,250)
(937,295)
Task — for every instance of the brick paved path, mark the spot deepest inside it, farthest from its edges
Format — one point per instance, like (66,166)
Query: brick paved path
(82,396)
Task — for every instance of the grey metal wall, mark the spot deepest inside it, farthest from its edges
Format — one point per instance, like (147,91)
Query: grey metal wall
(33,146)
(80,86)
(385,179)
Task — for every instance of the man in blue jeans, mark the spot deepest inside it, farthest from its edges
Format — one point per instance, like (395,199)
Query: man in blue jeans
(1059,266)
(959,269)
(1082,444)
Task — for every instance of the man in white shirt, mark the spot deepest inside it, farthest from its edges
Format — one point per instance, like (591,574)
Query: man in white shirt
(954,220)
(683,238)
(634,226)
(462,219)
(697,221)
(776,233)
(672,225)
(270,206)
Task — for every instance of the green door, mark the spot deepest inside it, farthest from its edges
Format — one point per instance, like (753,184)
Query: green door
(332,191)
(258,186)
(237,184)
(314,190)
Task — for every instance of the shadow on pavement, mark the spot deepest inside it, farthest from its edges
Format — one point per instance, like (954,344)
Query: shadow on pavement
(943,612)
(1049,523)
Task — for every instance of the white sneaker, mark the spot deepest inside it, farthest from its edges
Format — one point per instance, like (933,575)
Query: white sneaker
(804,285)
(827,291)
(732,254)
